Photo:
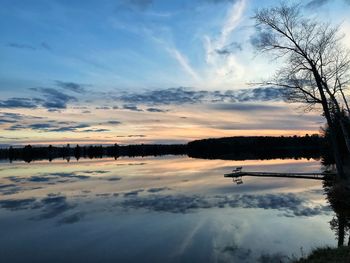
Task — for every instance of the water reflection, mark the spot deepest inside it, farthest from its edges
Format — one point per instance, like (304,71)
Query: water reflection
(159,210)
(338,196)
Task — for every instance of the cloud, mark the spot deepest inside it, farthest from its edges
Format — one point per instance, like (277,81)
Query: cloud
(290,204)
(9,189)
(51,98)
(229,49)
(62,129)
(52,206)
(131,107)
(156,110)
(114,122)
(46,46)
(18,116)
(53,126)
(183,61)
(71,219)
(73,128)
(142,5)
(133,193)
(131,136)
(95,172)
(2,121)
(2,186)
(96,130)
(103,108)
(114,179)
(246,107)
(157,190)
(220,50)
(17,204)
(40,126)
(54,99)
(21,46)
(41,46)
(136,5)
(19,103)
(72,86)
(260,94)
(51,178)
(316,3)
(181,95)
(219,1)
(177,55)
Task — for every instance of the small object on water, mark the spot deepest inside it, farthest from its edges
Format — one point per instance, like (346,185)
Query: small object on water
(238,180)
(237,169)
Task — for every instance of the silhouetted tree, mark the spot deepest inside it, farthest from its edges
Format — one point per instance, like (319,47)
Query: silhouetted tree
(77,152)
(317,65)
(28,153)
(11,154)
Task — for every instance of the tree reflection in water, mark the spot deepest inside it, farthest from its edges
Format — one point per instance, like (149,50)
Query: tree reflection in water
(338,195)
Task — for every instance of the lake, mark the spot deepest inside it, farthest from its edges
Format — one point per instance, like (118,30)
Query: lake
(160,209)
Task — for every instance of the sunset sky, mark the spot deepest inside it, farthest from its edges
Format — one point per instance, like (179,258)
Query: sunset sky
(142,71)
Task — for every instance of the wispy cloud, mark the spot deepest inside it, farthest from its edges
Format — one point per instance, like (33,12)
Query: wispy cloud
(319,3)
(71,86)
(316,3)
(21,46)
(137,5)
(183,61)
(222,66)
(41,46)
(56,126)
(175,53)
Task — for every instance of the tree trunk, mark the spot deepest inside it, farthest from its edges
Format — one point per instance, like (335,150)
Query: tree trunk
(345,133)
(338,115)
(345,100)
(341,230)
(332,129)
(341,121)
(334,142)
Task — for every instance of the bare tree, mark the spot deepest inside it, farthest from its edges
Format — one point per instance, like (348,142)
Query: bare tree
(317,66)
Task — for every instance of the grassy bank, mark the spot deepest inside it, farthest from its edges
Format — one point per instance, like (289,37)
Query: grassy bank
(327,255)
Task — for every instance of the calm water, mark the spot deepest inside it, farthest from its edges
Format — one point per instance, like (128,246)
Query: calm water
(166,209)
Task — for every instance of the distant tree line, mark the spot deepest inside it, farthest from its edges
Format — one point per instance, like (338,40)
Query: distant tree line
(30,153)
(234,148)
(259,147)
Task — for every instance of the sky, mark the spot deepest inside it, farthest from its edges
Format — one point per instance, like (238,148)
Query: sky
(142,71)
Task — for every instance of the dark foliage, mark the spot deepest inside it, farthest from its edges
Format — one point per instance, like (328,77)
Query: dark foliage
(232,148)
(29,153)
(241,148)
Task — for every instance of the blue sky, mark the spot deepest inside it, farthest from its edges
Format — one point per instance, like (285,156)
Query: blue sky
(62,58)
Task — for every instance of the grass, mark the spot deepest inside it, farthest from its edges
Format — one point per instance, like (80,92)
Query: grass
(327,255)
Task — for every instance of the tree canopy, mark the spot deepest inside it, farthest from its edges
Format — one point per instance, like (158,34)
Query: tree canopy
(316,69)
